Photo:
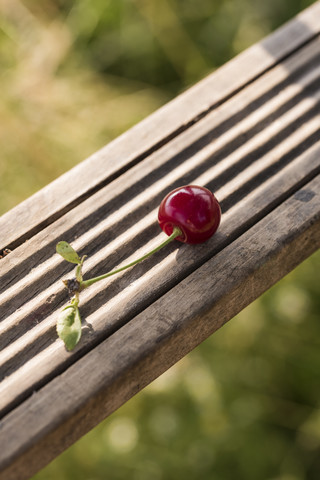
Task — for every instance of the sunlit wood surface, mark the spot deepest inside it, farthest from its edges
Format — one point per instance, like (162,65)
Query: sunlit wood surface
(250,133)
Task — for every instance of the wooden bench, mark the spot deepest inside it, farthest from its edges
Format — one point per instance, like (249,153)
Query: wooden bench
(250,133)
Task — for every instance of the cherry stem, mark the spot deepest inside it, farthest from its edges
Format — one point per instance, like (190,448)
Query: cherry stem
(86,283)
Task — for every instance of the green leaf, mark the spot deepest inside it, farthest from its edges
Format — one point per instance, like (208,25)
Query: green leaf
(69,326)
(67,252)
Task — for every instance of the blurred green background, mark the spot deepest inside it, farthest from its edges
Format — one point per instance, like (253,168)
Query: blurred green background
(73,76)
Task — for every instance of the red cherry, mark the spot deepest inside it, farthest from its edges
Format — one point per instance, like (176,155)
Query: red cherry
(195,210)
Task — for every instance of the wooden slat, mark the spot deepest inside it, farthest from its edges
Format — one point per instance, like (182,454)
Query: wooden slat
(235,154)
(160,335)
(110,162)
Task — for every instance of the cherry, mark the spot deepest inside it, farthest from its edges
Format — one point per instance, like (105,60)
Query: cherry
(194,210)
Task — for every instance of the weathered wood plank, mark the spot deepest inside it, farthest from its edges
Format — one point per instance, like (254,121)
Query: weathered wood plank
(284,128)
(110,162)
(35,356)
(160,335)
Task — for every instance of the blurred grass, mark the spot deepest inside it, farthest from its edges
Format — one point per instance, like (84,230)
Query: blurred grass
(73,76)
